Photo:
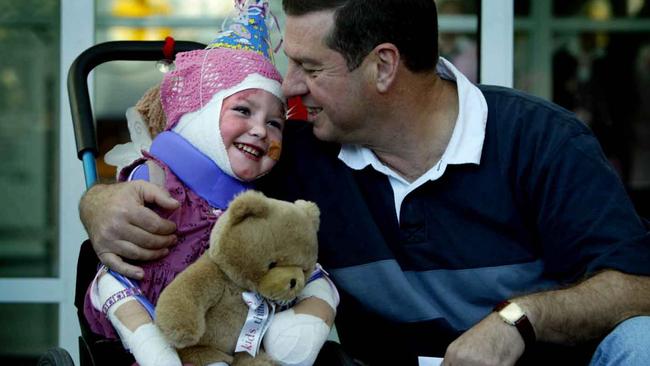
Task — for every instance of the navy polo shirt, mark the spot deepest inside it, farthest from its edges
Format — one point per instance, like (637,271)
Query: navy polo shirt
(543,209)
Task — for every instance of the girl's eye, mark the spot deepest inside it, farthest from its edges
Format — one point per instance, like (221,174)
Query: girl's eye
(275,124)
(243,110)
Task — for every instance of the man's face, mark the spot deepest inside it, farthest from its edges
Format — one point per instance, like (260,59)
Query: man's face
(332,94)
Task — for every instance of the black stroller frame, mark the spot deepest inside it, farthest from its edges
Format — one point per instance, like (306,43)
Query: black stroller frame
(93,350)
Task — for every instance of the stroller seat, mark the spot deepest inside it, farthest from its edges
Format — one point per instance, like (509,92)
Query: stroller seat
(93,349)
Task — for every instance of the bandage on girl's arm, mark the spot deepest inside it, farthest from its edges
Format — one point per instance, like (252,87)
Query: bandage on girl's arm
(319,298)
(132,321)
(296,335)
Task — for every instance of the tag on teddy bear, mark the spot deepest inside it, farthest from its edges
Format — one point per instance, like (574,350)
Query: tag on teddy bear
(260,313)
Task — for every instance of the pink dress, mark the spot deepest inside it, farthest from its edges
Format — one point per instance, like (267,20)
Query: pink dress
(194,220)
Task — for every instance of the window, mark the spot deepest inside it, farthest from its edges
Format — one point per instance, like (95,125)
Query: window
(593,57)
(29,119)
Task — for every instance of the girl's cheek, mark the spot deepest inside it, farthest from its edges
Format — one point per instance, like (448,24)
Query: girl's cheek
(275,150)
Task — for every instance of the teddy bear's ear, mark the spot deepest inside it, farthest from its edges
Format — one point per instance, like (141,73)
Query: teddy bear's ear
(248,204)
(311,210)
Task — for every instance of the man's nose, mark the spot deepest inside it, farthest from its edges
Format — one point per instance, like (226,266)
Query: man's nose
(294,83)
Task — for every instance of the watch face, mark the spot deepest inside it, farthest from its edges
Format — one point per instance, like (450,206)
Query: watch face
(511,313)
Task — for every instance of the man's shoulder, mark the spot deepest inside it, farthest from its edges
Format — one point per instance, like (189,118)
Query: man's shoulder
(508,105)
(514,115)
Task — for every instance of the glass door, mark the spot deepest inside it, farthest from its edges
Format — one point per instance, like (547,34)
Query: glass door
(29,106)
(40,178)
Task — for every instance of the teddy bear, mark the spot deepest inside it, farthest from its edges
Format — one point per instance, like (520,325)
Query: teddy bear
(261,253)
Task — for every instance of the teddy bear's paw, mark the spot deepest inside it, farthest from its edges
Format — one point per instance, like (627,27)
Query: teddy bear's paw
(181,334)
(205,356)
(183,338)
(261,359)
(183,342)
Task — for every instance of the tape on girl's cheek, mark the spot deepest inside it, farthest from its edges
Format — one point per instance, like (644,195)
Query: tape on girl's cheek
(275,150)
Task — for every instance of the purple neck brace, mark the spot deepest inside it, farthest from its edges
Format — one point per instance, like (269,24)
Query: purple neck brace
(196,170)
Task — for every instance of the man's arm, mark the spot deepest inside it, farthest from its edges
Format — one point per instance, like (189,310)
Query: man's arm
(585,223)
(120,226)
(568,316)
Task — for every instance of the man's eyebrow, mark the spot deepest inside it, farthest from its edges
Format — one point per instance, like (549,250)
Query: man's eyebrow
(302,59)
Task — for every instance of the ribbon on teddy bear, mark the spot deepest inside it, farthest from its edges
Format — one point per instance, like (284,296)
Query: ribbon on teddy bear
(260,314)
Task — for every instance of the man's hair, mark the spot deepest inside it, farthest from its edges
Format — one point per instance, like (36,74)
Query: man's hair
(361,25)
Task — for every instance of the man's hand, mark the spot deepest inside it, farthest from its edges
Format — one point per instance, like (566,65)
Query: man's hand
(490,342)
(568,316)
(119,225)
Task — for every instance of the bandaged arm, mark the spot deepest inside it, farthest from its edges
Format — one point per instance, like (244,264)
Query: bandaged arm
(296,335)
(131,321)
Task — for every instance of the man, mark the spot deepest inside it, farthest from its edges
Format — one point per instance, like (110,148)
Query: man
(439,200)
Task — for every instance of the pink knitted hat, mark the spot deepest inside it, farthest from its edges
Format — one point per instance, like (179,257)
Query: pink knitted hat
(238,59)
(200,74)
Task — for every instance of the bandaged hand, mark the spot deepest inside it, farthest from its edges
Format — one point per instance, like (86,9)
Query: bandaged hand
(296,335)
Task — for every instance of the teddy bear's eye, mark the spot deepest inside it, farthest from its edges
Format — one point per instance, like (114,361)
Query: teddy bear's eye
(272,265)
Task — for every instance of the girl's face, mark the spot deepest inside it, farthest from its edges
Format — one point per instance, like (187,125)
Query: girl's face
(251,124)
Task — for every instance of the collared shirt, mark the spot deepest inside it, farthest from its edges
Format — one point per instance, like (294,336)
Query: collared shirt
(542,210)
(464,147)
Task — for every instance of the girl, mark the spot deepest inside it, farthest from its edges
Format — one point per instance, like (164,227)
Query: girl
(225,114)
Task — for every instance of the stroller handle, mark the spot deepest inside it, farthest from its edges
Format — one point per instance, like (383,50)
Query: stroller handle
(82,116)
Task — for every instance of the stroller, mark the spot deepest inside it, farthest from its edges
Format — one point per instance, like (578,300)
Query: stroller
(94,350)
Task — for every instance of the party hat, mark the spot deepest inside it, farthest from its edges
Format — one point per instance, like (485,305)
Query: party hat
(249,31)
(240,50)
(239,58)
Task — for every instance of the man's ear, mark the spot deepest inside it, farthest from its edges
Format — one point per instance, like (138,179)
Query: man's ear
(387,58)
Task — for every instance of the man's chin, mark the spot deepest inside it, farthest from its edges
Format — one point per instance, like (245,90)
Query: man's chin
(323,134)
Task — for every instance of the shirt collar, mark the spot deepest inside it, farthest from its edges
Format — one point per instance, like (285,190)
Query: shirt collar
(466,143)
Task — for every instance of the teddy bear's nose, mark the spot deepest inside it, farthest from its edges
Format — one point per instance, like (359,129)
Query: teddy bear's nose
(292,283)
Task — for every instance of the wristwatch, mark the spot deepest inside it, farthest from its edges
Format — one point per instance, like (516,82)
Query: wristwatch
(513,314)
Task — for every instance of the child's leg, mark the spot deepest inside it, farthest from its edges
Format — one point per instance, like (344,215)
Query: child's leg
(295,336)
(133,323)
